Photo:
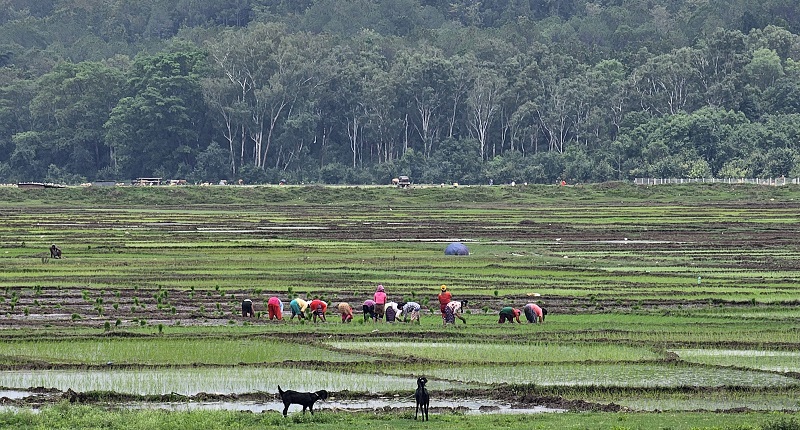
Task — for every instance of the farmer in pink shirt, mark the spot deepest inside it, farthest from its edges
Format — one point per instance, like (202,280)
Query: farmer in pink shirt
(534,313)
(380,302)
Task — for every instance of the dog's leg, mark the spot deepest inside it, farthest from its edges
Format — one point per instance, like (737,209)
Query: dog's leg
(285,409)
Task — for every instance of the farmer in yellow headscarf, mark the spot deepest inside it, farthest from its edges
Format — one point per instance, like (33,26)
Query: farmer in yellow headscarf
(444,299)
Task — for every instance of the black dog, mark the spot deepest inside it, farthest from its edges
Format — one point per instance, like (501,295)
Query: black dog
(305,399)
(422,397)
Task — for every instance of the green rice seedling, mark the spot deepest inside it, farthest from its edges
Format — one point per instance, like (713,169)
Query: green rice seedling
(486,352)
(774,360)
(189,381)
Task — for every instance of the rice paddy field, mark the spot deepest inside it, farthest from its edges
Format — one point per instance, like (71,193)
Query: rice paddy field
(668,306)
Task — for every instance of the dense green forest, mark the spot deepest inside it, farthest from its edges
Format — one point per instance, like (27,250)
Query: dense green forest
(360,91)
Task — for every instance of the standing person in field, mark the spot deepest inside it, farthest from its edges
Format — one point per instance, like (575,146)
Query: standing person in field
(298,307)
(346,312)
(369,309)
(534,313)
(444,298)
(411,310)
(274,308)
(510,314)
(452,311)
(380,302)
(247,308)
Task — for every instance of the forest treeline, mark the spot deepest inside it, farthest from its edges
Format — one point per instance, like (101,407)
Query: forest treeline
(361,91)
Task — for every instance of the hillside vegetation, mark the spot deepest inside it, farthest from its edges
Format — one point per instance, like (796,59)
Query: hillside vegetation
(359,92)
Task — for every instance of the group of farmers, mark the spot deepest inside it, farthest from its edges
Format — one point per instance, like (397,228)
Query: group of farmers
(379,308)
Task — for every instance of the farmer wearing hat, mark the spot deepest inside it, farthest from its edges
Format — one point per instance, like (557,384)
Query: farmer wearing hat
(444,299)
(380,302)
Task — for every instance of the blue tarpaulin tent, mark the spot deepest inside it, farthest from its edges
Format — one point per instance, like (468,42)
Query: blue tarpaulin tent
(456,248)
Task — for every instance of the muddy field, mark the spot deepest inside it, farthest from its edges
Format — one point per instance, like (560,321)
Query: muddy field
(657,276)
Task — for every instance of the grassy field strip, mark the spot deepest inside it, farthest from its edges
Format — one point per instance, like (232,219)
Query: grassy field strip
(648,375)
(501,353)
(777,361)
(66,416)
(221,380)
(708,400)
(171,351)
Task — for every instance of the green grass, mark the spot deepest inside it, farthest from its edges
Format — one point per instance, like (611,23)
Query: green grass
(535,352)
(646,375)
(64,416)
(778,361)
(208,379)
(170,351)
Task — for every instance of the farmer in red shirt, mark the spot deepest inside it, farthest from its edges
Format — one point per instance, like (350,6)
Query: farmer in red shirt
(444,299)
(318,308)
(274,308)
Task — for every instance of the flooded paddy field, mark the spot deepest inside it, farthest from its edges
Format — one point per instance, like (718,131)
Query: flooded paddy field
(654,303)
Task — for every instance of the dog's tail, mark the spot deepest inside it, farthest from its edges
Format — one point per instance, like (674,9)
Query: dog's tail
(280,391)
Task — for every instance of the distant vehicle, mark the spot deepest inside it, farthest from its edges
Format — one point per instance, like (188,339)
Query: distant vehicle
(403,182)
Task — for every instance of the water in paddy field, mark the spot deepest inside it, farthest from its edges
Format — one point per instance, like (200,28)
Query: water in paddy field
(467,406)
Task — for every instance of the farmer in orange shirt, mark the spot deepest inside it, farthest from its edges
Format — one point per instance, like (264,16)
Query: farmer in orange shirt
(444,299)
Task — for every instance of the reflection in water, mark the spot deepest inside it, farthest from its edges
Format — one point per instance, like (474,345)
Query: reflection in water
(467,406)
